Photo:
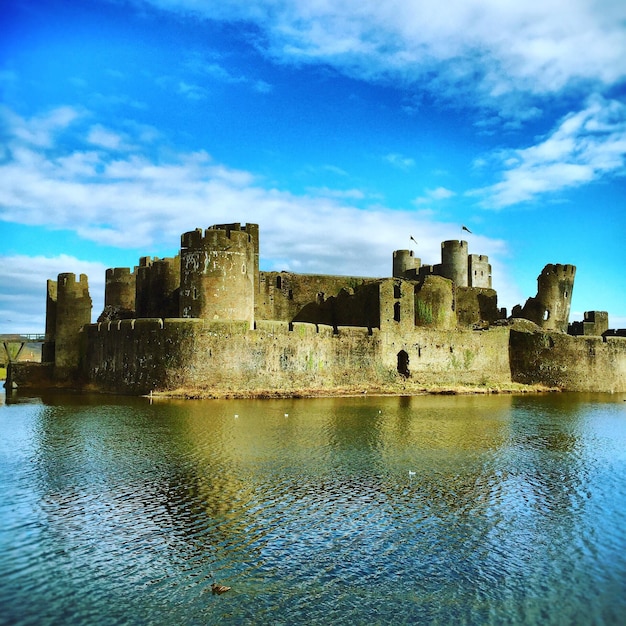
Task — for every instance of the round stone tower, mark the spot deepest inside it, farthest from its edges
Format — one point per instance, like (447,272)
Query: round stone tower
(119,288)
(73,311)
(217,274)
(554,294)
(405,265)
(157,289)
(454,264)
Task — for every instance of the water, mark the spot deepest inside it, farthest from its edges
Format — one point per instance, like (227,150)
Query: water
(425,510)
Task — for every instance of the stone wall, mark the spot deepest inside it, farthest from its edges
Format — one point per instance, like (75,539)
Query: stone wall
(434,303)
(157,289)
(594,323)
(461,357)
(573,363)
(282,295)
(475,305)
(136,356)
(359,307)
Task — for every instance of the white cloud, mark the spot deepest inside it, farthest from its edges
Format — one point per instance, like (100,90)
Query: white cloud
(206,67)
(40,130)
(126,199)
(23,288)
(400,161)
(347,194)
(584,146)
(105,138)
(191,91)
(495,50)
(439,193)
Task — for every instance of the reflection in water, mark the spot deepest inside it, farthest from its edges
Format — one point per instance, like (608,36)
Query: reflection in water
(502,509)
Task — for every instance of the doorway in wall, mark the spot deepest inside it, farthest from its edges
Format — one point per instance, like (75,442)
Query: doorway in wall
(403,364)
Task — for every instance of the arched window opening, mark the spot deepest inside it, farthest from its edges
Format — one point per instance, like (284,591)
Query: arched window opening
(279,282)
(397,292)
(546,316)
(403,364)
(396,312)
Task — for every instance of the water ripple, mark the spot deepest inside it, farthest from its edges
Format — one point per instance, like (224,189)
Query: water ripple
(514,512)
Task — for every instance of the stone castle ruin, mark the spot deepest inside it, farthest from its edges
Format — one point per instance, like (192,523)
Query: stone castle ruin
(209,319)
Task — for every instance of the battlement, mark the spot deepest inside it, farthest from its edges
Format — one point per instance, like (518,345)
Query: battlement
(214,238)
(227,328)
(405,264)
(454,244)
(118,273)
(479,271)
(218,271)
(207,318)
(158,265)
(251,229)
(454,262)
(119,288)
(479,258)
(556,269)
(68,284)
(594,323)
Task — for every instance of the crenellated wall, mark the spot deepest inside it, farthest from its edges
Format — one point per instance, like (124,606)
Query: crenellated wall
(217,270)
(72,312)
(136,356)
(119,288)
(451,358)
(199,356)
(595,323)
(405,265)
(479,271)
(209,321)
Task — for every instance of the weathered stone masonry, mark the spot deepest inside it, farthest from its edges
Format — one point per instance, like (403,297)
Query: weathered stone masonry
(210,320)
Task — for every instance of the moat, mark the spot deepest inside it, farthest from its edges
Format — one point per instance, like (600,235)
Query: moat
(507,509)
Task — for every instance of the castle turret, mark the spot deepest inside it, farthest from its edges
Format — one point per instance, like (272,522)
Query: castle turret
(479,271)
(550,308)
(454,262)
(157,287)
(119,288)
(73,311)
(217,273)
(253,231)
(405,265)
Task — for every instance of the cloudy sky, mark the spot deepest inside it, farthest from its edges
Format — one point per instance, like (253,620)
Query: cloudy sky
(341,127)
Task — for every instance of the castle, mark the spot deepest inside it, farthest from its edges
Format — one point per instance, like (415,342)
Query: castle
(209,321)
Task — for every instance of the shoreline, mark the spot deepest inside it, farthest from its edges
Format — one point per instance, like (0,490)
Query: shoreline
(391,390)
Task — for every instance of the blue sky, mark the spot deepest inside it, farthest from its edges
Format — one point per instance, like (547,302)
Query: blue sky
(341,127)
